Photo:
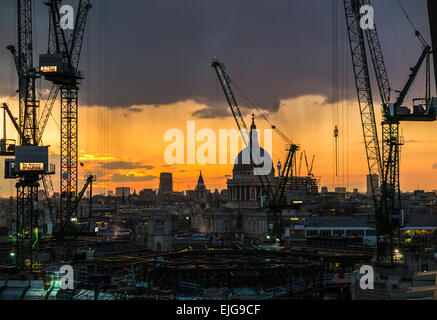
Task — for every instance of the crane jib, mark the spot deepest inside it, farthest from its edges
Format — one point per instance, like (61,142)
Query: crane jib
(432,12)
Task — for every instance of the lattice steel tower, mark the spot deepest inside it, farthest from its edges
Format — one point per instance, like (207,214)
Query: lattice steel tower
(30,160)
(60,66)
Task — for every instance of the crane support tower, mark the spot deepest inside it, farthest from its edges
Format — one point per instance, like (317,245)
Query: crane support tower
(60,66)
(30,162)
(432,15)
(384,162)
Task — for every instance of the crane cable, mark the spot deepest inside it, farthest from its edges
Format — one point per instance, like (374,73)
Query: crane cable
(418,34)
(279,132)
(11,96)
(395,33)
(335,93)
(283,136)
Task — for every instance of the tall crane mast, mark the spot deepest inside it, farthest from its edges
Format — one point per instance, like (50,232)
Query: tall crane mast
(27,73)
(60,66)
(387,199)
(300,164)
(309,167)
(364,90)
(432,16)
(275,194)
(31,160)
(387,166)
(390,201)
(27,186)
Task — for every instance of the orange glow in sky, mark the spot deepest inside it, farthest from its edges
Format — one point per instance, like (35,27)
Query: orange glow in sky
(127,148)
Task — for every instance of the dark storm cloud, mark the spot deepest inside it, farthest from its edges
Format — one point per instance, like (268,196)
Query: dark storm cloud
(124,165)
(211,112)
(159,51)
(222,110)
(132,178)
(134,110)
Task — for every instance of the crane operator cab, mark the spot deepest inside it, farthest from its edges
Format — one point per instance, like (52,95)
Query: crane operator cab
(29,160)
(423,110)
(54,68)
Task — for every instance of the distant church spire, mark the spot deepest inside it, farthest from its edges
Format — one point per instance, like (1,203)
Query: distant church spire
(200,182)
(253,126)
(254,142)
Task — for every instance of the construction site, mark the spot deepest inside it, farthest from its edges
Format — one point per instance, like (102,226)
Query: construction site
(269,235)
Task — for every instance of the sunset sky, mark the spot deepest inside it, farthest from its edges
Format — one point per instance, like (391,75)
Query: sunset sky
(147,66)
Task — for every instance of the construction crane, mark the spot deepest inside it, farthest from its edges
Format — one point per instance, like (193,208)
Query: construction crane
(432,16)
(382,162)
(275,194)
(309,167)
(89,178)
(336,150)
(60,67)
(7,146)
(30,161)
(300,164)
(242,127)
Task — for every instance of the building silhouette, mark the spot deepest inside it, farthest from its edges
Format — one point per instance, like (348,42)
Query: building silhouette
(165,183)
(372,179)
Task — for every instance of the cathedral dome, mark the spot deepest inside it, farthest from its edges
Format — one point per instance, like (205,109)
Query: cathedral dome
(258,157)
(243,164)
